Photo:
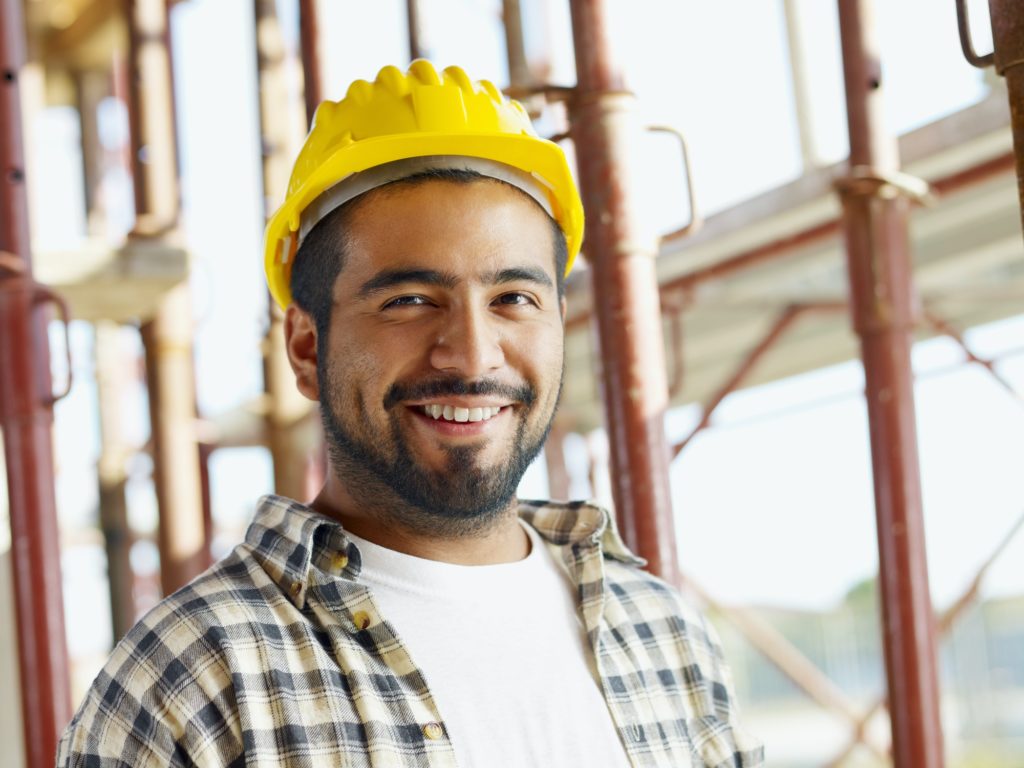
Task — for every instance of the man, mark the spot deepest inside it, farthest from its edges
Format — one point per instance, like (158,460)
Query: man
(416,613)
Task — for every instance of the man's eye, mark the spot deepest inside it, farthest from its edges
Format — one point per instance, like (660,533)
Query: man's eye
(405,301)
(516,299)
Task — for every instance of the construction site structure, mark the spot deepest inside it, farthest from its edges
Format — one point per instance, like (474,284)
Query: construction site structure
(841,239)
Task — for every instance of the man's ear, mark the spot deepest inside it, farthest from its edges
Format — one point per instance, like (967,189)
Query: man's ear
(300,342)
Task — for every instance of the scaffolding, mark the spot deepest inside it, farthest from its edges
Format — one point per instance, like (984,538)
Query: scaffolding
(635,310)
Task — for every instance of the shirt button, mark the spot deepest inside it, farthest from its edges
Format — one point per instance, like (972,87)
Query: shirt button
(296,588)
(361,619)
(340,561)
(433,731)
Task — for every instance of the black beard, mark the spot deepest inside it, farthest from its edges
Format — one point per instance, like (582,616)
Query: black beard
(462,499)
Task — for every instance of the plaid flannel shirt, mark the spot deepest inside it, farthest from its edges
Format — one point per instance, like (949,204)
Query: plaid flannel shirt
(278,656)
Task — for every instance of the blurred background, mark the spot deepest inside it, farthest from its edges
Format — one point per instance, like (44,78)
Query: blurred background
(159,135)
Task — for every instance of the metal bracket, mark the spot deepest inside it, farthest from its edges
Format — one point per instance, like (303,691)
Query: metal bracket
(966,44)
(696,221)
(866,181)
(14,276)
(43,295)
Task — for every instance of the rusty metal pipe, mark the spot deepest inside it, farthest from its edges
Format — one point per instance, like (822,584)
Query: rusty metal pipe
(625,287)
(167,336)
(1008,42)
(170,379)
(26,421)
(111,372)
(296,473)
(1007,17)
(312,81)
(875,224)
(412,15)
(309,43)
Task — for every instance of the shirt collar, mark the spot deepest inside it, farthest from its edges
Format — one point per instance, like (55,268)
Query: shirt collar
(287,538)
(578,522)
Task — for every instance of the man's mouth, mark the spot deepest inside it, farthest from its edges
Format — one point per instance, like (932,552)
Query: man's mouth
(460,414)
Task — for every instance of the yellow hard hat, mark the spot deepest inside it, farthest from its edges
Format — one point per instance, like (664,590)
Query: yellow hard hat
(417,114)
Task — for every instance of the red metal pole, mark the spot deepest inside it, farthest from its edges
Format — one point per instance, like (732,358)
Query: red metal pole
(26,421)
(1008,43)
(875,224)
(309,45)
(625,288)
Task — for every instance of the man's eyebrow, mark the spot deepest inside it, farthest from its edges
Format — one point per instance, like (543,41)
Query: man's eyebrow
(389,278)
(515,274)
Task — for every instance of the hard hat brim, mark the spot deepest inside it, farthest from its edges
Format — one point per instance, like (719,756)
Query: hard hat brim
(543,159)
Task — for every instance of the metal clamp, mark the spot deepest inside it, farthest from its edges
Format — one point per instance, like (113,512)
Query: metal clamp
(963,25)
(43,295)
(696,222)
(870,182)
(10,264)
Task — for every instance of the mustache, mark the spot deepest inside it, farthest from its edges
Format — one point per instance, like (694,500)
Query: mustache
(452,385)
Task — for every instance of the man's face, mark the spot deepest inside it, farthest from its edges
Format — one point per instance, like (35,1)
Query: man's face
(442,368)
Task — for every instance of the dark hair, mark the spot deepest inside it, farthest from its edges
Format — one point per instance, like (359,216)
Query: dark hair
(321,256)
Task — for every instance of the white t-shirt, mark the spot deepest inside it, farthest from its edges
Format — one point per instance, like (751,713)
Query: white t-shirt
(504,653)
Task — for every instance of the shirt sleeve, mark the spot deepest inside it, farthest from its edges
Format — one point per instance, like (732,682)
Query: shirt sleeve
(113,729)
(663,664)
(164,698)
(720,737)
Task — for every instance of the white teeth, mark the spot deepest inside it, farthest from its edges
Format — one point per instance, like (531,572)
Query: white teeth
(461,415)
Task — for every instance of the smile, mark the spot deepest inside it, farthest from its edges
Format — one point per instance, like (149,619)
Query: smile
(459,414)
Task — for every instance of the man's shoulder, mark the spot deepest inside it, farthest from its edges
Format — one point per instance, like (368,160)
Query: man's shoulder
(233,592)
(169,670)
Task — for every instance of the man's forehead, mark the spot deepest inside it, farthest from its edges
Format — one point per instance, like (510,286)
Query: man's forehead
(448,279)
(478,225)
(414,171)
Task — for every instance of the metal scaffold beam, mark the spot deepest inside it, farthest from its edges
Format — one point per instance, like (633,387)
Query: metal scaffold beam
(26,422)
(625,287)
(875,227)
(168,335)
(298,472)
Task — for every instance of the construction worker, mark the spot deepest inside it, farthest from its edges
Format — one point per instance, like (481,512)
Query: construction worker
(416,613)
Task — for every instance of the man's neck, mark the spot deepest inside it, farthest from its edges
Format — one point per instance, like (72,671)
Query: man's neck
(502,541)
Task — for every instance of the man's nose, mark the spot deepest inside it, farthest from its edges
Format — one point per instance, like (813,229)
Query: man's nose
(470,343)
